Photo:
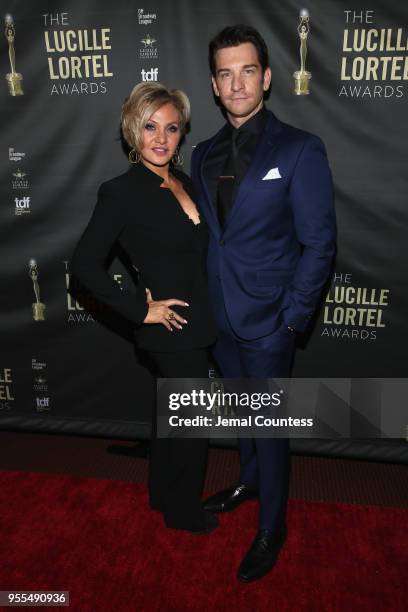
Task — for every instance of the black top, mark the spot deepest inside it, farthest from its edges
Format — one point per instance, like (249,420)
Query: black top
(248,136)
(164,245)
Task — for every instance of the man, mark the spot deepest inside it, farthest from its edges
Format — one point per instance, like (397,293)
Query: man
(266,192)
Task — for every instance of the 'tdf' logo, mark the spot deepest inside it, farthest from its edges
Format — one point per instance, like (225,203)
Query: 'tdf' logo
(150,75)
(22,202)
(43,403)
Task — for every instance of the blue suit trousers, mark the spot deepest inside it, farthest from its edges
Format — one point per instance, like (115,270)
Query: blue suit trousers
(264,462)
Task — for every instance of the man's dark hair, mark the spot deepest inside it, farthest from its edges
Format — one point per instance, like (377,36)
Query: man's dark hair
(232,36)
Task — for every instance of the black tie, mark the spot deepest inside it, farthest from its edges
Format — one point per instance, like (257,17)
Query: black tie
(226,181)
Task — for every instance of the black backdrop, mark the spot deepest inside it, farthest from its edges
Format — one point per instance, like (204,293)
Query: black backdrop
(77,371)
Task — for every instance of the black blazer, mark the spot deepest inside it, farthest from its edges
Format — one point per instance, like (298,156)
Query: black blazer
(165,247)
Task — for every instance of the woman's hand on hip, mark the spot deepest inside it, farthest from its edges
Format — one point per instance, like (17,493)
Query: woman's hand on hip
(160,312)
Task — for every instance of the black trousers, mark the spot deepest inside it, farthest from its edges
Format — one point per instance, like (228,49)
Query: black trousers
(177,465)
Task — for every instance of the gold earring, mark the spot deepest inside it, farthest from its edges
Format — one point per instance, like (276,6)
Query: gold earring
(177,158)
(134,156)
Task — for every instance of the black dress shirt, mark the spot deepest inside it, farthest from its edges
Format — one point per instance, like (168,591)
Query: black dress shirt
(163,244)
(249,135)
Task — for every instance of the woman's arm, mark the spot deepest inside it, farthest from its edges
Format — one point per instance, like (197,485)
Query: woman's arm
(94,246)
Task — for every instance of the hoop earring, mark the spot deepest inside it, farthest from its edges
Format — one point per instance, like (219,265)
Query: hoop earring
(177,158)
(134,156)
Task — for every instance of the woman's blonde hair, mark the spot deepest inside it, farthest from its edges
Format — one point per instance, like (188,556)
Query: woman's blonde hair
(144,100)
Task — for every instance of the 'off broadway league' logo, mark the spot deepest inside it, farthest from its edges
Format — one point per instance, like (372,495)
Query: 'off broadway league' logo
(15,156)
(146,18)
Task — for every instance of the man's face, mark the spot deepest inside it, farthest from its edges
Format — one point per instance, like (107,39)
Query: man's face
(239,82)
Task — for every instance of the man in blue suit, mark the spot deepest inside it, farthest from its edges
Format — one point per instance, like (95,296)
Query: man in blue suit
(265,190)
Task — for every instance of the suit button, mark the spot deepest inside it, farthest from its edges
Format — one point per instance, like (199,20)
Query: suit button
(222,242)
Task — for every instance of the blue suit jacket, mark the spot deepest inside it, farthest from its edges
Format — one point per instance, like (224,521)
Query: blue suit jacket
(275,253)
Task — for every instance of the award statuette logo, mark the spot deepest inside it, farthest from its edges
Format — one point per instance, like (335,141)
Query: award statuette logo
(38,307)
(14,79)
(148,41)
(302,76)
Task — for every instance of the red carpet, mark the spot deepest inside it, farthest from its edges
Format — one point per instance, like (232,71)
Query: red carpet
(97,539)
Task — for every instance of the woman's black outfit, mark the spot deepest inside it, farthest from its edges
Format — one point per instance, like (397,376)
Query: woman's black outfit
(169,252)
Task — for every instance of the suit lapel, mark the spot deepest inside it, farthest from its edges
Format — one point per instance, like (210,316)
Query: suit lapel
(269,141)
(210,209)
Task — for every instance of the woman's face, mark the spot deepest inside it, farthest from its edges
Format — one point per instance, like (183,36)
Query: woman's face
(161,136)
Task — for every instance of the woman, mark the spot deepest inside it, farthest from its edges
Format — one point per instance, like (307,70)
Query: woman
(150,211)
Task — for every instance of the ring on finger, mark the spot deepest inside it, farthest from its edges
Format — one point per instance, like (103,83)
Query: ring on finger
(170,316)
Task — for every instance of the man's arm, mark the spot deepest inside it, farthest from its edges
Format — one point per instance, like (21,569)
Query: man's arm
(312,201)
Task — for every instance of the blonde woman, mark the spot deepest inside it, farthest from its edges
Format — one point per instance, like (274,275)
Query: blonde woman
(150,210)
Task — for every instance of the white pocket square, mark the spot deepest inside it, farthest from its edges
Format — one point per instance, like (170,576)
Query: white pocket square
(273,173)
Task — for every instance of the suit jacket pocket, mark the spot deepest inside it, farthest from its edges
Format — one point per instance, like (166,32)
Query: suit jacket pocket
(273,185)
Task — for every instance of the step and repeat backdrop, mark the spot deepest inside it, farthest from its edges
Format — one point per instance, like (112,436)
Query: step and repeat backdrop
(67,364)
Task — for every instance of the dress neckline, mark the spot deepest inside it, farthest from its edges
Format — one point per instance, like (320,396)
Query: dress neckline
(181,208)
(160,180)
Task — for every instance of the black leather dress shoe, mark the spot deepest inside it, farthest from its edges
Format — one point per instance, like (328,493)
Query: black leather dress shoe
(229,499)
(262,555)
(199,523)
